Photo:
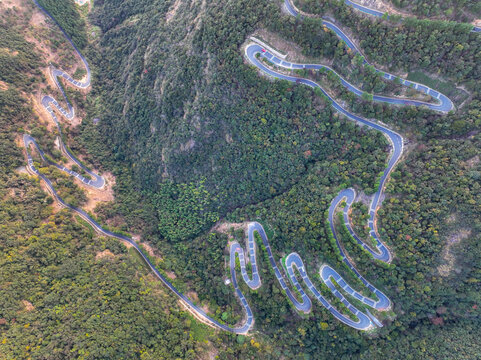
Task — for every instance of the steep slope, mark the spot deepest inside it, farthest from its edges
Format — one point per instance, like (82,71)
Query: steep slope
(176,102)
(180,104)
(65,292)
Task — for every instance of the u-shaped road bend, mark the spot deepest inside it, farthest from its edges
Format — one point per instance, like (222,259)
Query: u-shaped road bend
(293,265)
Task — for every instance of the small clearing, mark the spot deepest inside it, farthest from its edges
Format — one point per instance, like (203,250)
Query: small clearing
(104,254)
(170,275)
(448,256)
(150,250)
(21,170)
(28,305)
(192,295)
(9,52)
(97,196)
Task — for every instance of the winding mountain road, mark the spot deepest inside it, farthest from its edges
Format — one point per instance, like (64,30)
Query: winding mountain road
(292,265)
(291,8)
(49,103)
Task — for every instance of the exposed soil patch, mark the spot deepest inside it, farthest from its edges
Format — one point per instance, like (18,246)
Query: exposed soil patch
(127,244)
(193,295)
(38,18)
(13,3)
(21,170)
(362,197)
(436,320)
(188,145)
(448,256)
(104,254)
(451,218)
(96,196)
(212,353)
(28,305)
(3,86)
(151,250)
(9,51)
(472,162)
(170,275)
(225,227)
(173,11)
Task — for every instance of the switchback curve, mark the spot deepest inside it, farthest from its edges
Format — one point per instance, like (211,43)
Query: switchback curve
(291,8)
(50,103)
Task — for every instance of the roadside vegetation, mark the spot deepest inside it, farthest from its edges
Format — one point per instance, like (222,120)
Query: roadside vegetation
(193,135)
(465,10)
(68,17)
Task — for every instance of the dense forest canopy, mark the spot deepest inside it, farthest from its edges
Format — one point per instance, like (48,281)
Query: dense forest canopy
(194,135)
(67,16)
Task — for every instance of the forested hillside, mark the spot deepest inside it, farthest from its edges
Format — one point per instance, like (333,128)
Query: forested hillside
(65,292)
(179,105)
(67,16)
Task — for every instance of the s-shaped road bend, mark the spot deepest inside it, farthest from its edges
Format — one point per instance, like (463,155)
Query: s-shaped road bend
(292,264)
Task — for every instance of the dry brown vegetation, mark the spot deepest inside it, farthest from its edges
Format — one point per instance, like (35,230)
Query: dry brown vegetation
(104,254)
(449,258)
